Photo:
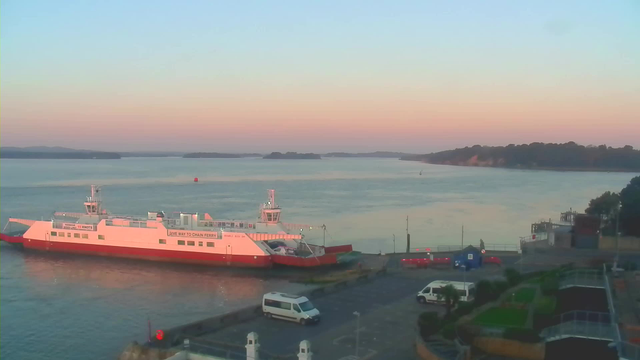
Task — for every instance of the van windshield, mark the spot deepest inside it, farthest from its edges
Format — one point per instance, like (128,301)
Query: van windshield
(306,306)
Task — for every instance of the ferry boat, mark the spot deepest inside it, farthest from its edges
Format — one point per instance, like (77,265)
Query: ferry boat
(181,237)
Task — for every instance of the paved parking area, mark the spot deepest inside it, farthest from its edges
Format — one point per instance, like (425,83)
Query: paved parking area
(387,322)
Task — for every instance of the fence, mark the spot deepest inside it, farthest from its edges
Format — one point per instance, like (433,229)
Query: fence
(487,247)
(583,278)
(626,350)
(585,324)
(229,351)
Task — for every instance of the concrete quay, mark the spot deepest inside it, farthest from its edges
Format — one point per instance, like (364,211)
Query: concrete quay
(385,300)
(388,312)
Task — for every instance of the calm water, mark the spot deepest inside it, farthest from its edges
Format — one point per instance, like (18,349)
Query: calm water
(76,307)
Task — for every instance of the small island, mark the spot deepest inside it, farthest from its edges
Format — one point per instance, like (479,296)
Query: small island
(539,156)
(292,156)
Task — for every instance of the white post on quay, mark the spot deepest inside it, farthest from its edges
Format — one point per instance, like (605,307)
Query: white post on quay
(305,350)
(253,346)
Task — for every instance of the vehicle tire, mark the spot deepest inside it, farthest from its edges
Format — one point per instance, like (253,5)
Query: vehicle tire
(422,300)
(303,321)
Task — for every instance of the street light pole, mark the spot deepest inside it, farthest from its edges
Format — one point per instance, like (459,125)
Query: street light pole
(464,278)
(618,235)
(357,314)
(394,243)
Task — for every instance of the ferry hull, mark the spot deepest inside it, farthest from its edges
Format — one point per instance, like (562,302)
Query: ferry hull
(141,253)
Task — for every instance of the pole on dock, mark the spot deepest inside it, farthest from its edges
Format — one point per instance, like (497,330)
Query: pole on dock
(462,240)
(324,234)
(394,243)
(408,236)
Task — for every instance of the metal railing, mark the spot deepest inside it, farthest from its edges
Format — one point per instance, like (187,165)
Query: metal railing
(583,278)
(501,247)
(628,351)
(584,324)
(228,352)
(487,247)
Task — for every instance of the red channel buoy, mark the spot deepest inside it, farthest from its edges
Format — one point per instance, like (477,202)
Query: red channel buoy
(195,179)
(159,334)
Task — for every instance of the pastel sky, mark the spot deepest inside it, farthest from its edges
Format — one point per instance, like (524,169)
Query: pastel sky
(412,76)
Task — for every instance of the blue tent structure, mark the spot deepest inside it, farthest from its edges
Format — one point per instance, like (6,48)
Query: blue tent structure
(470,256)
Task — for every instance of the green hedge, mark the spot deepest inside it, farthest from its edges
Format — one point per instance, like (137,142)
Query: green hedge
(449,331)
(429,323)
(546,305)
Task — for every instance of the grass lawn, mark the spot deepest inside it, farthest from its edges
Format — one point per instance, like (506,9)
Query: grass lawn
(502,317)
(525,295)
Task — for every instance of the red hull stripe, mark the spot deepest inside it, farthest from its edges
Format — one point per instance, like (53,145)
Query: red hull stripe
(338,249)
(327,259)
(147,254)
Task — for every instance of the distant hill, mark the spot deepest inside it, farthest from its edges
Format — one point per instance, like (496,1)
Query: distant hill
(209,155)
(376,154)
(293,156)
(151,154)
(9,154)
(569,156)
(43,149)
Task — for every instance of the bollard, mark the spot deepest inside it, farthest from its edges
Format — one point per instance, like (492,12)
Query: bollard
(253,347)
(305,350)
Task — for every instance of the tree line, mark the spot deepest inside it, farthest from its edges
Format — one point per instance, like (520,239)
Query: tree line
(621,210)
(539,155)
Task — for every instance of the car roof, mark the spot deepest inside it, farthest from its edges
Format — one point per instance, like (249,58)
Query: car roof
(275,294)
(442,283)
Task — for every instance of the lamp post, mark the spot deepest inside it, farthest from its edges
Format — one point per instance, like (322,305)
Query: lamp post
(464,277)
(618,235)
(394,243)
(357,314)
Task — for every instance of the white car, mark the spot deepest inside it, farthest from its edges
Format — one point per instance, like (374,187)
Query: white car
(289,307)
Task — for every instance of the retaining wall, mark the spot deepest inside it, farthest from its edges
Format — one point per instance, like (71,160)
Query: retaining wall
(423,350)
(510,348)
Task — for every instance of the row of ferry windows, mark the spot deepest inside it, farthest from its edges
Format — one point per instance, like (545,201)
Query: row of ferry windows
(74,235)
(160,241)
(190,243)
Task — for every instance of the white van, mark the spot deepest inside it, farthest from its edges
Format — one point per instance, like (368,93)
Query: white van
(289,307)
(430,293)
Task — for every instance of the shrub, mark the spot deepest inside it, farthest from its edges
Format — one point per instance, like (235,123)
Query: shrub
(513,276)
(449,331)
(450,318)
(546,305)
(550,286)
(485,292)
(428,323)
(464,308)
(500,287)
(520,334)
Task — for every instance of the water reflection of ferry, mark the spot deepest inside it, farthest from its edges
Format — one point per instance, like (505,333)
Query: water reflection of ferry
(186,237)
(144,278)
